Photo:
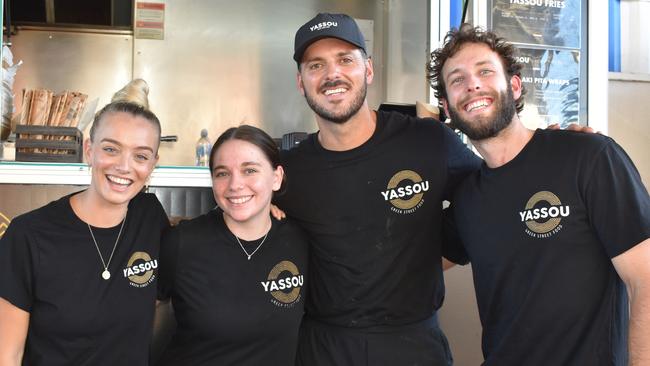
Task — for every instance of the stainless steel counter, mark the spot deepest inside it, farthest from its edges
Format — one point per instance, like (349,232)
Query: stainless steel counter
(79,174)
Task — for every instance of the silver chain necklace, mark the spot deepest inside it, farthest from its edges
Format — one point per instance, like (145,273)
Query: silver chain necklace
(258,247)
(106,274)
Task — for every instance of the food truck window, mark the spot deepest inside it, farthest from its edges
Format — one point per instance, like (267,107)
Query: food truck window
(111,13)
(28,10)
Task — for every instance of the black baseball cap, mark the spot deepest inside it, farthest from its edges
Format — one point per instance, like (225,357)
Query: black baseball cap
(326,25)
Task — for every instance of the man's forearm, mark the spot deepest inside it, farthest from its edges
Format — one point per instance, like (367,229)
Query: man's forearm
(639,341)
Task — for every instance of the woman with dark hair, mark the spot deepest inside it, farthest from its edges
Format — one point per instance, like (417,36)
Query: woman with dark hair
(236,276)
(77,276)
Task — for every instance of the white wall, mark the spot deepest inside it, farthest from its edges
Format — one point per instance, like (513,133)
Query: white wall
(459,317)
(635,36)
(629,111)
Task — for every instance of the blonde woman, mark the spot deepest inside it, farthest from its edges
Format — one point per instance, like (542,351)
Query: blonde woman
(78,275)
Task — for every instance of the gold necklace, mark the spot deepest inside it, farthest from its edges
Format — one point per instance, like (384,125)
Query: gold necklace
(106,274)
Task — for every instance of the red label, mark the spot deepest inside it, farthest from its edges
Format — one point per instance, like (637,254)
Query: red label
(152,6)
(149,25)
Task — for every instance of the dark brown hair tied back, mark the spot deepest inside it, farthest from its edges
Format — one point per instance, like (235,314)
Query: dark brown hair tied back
(252,135)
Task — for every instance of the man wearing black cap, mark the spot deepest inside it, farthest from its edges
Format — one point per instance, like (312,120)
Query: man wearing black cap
(368,187)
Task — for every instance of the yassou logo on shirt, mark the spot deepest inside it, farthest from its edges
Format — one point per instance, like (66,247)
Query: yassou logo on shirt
(140,269)
(405,191)
(4,224)
(284,283)
(543,214)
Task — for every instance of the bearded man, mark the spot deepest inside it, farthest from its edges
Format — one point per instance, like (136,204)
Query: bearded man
(556,224)
(368,189)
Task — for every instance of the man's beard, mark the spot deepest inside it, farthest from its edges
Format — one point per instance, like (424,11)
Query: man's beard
(345,115)
(482,129)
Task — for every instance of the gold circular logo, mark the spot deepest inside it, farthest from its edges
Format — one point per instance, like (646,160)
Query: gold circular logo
(140,278)
(4,224)
(550,224)
(414,177)
(281,296)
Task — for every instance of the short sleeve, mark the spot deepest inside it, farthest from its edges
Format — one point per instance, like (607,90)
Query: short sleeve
(452,246)
(17,264)
(461,161)
(617,201)
(168,261)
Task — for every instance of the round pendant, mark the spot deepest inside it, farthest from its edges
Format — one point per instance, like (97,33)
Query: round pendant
(106,274)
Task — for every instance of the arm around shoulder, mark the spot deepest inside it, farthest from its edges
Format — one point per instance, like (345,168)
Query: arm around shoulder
(633,266)
(461,161)
(14,323)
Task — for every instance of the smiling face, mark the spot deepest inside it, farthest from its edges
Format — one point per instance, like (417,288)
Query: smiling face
(122,155)
(243,182)
(480,97)
(334,78)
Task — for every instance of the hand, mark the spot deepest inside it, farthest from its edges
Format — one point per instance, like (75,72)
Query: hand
(572,127)
(277,213)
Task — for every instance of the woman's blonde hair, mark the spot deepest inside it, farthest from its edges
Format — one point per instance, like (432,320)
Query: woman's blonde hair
(132,99)
(136,91)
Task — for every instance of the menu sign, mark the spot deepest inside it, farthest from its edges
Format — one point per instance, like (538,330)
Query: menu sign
(554,23)
(552,82)
(149,20)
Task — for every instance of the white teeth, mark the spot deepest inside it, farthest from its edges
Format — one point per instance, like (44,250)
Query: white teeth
(119,180)
(239,200)
(475,105)
(335,91)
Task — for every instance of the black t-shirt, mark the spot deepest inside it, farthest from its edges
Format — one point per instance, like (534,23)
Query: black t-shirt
(540,232)
(49,267)
(373,215)
(231,310)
